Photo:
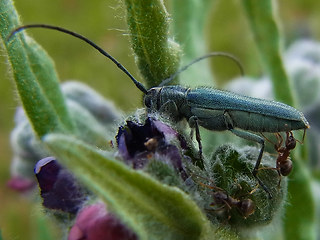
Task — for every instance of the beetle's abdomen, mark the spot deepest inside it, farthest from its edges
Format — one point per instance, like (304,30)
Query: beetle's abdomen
(247,113)
(261,123)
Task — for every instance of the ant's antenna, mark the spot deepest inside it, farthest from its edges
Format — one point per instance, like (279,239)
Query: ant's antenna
(212,54)
(119,65)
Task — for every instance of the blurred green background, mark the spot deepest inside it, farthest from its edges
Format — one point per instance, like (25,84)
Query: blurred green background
(103,21)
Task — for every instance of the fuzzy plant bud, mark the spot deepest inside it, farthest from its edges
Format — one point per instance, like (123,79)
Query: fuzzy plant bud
(94,222)
(231,194)
(26,147)
(58,188)
(103,110)
(20,184)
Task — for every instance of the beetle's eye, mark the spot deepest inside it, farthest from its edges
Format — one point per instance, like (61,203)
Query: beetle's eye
(147,101)
(151,98)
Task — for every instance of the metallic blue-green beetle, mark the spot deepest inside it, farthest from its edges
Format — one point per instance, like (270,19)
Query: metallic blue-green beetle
(210,108)
(219,110)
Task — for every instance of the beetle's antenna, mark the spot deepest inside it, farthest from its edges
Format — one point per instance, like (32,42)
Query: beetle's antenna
(212,54)
(119,65)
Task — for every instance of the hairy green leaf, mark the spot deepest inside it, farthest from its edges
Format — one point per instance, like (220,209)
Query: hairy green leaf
(34,75)
(267,37)
(300,214)
(157,54)
(189,26)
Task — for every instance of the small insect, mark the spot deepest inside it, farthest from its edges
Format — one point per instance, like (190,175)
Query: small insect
(284,164)
(213,109)
(222,201)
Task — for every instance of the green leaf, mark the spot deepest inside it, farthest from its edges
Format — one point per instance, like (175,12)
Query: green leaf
(157,55)
(44,70)
(42,227)
(189,26)
(267,37)
(301,212)
(34,75)
(152,210)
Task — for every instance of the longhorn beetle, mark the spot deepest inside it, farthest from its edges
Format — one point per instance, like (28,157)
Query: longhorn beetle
(211,108)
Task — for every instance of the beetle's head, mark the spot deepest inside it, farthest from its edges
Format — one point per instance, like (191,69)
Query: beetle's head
(152,98)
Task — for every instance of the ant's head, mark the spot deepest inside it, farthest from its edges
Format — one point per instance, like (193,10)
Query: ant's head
(220,197)
(290,141)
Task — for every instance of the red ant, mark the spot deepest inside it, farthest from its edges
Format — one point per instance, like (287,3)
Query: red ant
(246,207)
(284,164)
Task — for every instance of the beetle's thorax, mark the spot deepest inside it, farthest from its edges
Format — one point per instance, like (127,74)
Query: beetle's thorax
(157,97)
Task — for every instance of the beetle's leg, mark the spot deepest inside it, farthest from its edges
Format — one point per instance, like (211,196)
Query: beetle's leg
(256,138)
(280,140)
(193,122)
(251,137)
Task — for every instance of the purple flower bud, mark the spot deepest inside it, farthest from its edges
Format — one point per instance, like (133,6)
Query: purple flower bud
(138,143)
(59,189)
(20,184)
(94,222)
